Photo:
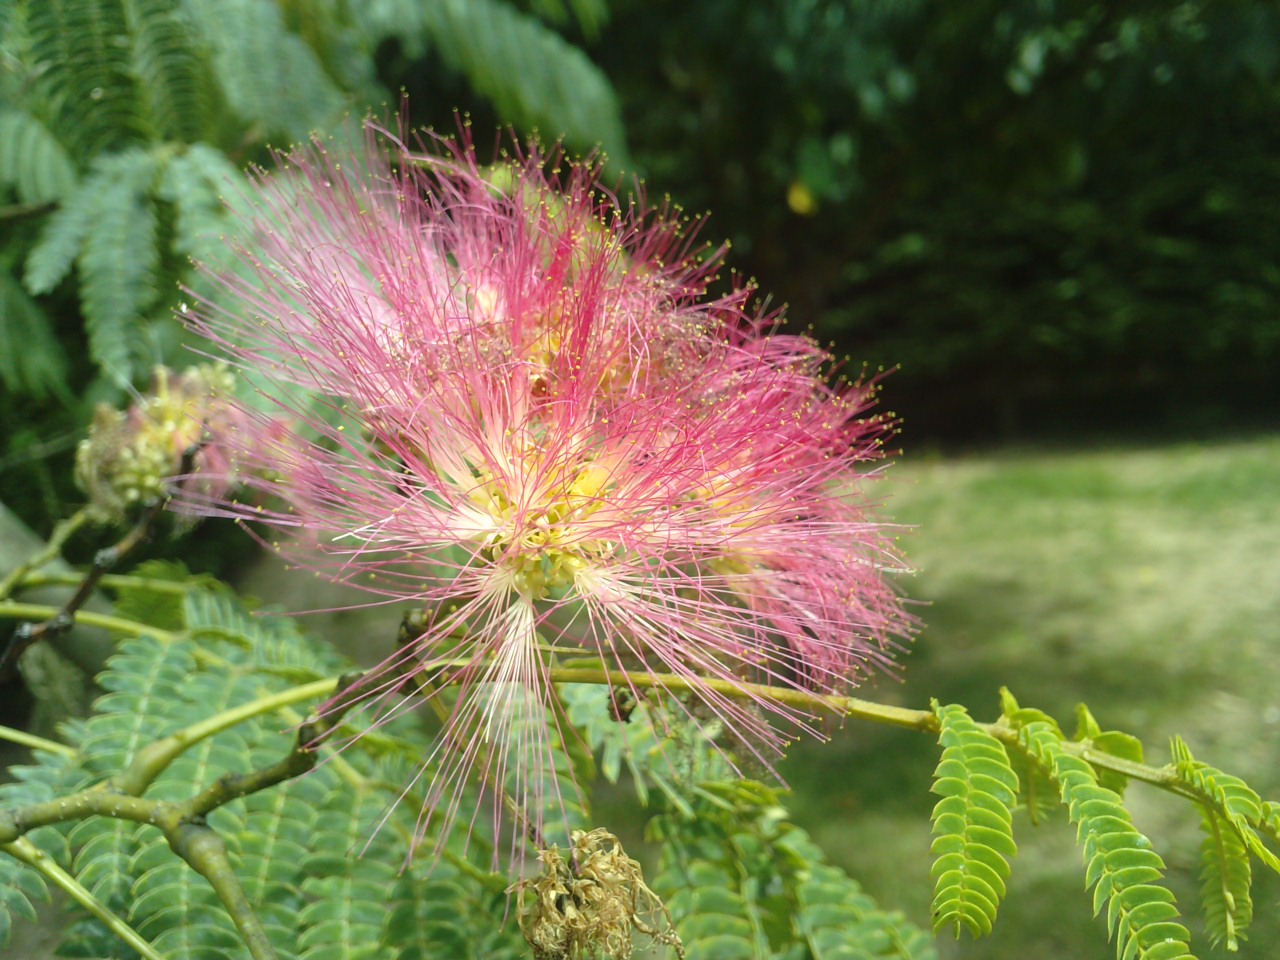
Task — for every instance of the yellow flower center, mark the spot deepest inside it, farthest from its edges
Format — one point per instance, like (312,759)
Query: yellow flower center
(538,533)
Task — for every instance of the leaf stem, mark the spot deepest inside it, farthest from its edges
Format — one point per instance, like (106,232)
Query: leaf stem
(31,741)
(27,852)
(114,581)
(924,721)
(61,534)
(35,611)
(63,620)
(154,758)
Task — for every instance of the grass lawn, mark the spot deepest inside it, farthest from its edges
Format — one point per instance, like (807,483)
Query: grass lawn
(1144,582)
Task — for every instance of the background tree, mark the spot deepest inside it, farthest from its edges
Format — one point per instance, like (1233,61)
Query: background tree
(1050,214)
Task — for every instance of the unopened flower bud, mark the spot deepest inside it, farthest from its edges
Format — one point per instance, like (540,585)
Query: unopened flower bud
(129,456)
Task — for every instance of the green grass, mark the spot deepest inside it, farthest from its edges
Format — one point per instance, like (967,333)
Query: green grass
(1144,582)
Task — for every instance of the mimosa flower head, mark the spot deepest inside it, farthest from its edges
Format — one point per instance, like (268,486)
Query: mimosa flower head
(539,427)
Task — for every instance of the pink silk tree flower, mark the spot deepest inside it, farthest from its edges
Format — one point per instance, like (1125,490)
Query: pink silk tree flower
(536,424)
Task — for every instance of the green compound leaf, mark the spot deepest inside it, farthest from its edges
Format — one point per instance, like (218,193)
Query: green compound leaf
(1120,865)
(1038,794)
(51,258)
(269,75)
(196,182)
(712,916)
(443,913)
(109,227)
(119,260)
(347,892)
(31,359)
(535,78)
(741,881)
(86,73)
(838,921)
(1237,802)
(20,887)
(1226,877)
(972,823)
(173,79)
(32,160)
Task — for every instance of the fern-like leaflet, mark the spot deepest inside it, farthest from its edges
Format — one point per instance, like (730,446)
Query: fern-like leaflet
(21,888)
(535,78)
(1119,863)
(742,881)
(973,823)
(173,78)
(84,71)
(270,77)
(108,226)
(31,359)
(32,160)
(1232,815)
(1226,877)
(1233,799)
(838,920)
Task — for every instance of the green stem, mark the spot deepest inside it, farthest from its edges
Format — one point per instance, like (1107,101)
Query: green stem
(114,581)
(95,801)
(41,612)
(922,720)
(1166,778)
(27,852)
(153,759)
(204,850)
(61,534)
(33,742)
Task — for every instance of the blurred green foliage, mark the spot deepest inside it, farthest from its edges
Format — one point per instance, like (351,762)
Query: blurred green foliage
(126,124)
(1049,213)
(1046,212)
(1043,210)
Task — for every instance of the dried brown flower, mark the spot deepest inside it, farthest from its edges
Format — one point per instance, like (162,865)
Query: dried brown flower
(590,903)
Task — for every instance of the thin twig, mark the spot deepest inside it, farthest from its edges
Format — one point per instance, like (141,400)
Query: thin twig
(61,534)
(29,634)
(32,611)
